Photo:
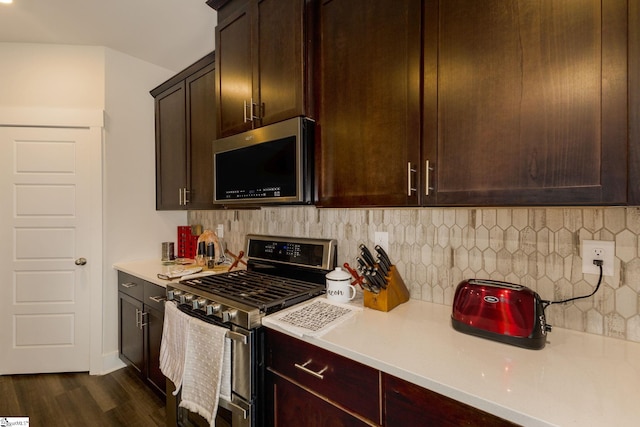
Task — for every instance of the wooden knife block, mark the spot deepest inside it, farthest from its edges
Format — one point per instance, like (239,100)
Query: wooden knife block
(395,294)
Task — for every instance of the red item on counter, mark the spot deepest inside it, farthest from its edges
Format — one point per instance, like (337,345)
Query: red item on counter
(187,242)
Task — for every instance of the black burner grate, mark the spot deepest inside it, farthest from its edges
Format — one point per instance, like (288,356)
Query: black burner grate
(260,290)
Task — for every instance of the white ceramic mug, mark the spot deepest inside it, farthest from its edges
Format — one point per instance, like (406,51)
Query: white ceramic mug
(339,287)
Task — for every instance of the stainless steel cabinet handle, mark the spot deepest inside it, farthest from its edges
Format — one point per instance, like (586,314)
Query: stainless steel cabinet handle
(253,113)
(142,324)
(129,285)
(304,368)
(138,318)
(410,171)
(159,298)
(183,198)
(427,169)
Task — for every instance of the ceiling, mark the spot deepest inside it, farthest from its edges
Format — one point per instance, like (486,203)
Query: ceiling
(169,33)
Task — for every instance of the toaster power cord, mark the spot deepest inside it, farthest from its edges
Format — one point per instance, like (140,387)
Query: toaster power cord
(597,262)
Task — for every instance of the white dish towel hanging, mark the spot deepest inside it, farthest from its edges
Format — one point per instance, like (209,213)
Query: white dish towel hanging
(203,369)
(174,344)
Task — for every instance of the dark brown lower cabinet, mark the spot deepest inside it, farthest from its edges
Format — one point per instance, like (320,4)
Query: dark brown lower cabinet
(295,406)
(140,320)
(310,386)
(406,404)
(131,336)
(154,320)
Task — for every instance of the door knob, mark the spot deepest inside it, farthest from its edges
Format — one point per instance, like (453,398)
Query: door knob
(81,261)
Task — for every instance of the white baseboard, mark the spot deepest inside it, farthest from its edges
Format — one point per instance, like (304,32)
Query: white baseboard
(110,362)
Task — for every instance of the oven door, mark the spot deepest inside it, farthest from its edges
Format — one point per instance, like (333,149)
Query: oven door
(228,415)
(240,411)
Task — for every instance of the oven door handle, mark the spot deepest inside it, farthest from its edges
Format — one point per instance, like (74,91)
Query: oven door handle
(233,407)
(237,336)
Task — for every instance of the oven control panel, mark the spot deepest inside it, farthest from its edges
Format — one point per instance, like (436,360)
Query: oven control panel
(305,252)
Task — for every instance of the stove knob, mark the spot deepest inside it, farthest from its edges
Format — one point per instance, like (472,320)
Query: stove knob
(198,304)
(213,309)
(173,294)
(186,298)
(229,315)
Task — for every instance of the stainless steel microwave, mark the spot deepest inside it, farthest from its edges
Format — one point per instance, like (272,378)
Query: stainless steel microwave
(268,165)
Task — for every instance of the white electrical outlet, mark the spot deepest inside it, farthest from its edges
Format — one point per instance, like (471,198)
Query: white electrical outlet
(220,231)
(601,250)
(381,238)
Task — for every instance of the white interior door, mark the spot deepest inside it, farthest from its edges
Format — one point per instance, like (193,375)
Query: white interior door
(49,178)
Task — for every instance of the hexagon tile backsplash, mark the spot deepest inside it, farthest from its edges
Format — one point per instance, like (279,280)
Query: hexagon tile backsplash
(435,248)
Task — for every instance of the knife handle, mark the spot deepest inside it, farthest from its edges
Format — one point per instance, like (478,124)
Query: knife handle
(360,262)
(383,254)
(383,266)
(380,281)
(373,287)
(365,253)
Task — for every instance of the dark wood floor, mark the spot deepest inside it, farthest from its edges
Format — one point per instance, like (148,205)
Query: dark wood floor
(79,399)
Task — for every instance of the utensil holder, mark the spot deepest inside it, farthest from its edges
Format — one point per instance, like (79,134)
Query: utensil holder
(395,294)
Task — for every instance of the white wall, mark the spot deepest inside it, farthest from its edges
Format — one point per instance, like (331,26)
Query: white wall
(86,77)
(133,228)
(54,76)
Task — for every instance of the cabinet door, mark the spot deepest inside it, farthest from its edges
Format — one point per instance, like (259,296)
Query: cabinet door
(130,333)
(154,320)
(347,383)
(369,113)
(280,86)
(201,133)
(234,68)
(171,147)
(407,404)
(634,103)
(294,406)
(531,102)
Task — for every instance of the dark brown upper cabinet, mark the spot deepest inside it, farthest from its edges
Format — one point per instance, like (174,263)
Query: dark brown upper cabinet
(634,103)
(462,103)
(369,103)
(263,62)
(185,113)
(525,103)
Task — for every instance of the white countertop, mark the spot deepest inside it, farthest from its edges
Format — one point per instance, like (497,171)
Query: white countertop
(148,270)
(578,379)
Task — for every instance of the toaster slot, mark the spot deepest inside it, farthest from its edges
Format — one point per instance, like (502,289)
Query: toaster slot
(496,284)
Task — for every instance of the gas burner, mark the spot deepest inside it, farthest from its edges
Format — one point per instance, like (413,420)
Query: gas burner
(281,272)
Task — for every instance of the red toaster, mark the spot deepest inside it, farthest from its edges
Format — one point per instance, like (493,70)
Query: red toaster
(501,311)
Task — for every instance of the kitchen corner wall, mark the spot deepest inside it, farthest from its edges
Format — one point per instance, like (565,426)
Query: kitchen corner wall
(435,248)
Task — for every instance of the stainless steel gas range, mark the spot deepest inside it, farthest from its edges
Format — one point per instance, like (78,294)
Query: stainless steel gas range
(281,272)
